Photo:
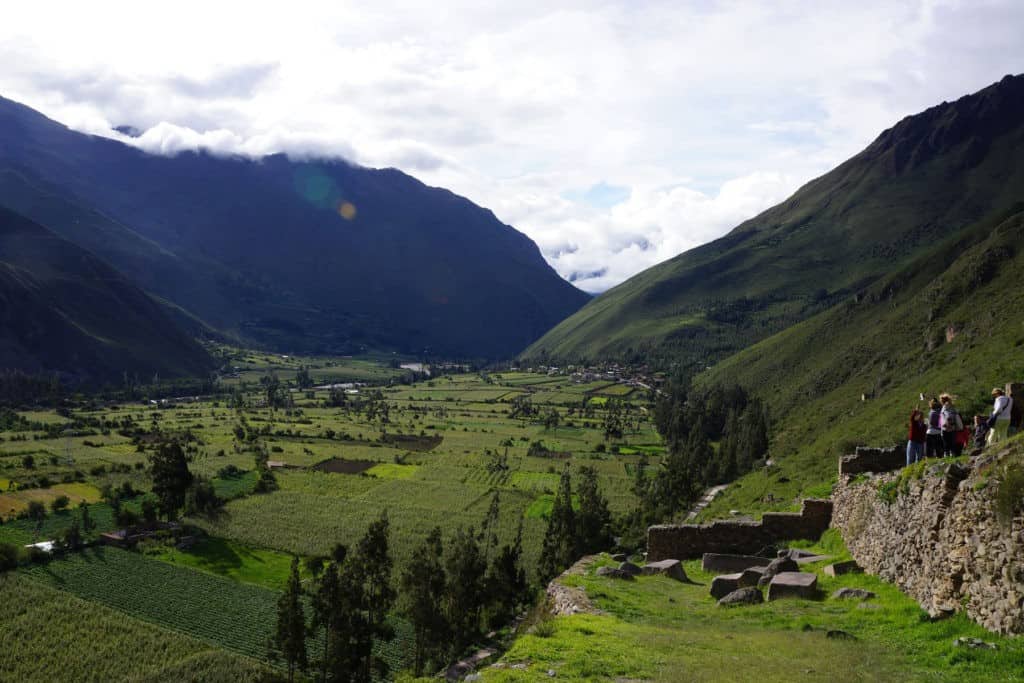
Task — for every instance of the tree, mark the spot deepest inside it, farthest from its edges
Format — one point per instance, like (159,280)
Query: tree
(506,581)
(168,466)
(290,638)
(374,564)
(559,548)
(423,586)
(201,499)
(88,525)
(36,511)
(28,462)
(60,503)
(489,529)
(593,522)
(8,557)
(72,538)
(465,594)
(302,378)
(552,419)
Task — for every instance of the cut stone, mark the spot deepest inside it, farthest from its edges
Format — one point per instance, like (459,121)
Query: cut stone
(742,596)
(751,576)
(852,594)
(777,566)
(793,584)
(630,568)
(724,563)
(840,568)
(614,573)
(724,584)
(807,559)
(671,568)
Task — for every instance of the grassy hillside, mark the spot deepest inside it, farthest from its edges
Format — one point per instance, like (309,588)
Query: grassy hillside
(63,310)
(949,321)
(920,182)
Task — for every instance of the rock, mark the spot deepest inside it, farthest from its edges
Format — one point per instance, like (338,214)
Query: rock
(793,584)
(808,559)
(614,573)
(551,673)
(724,584)
(974,643)
(619,557)
(727,564)
(742,596)
(735,513)
(472,678)
(778,566)
(840,568)
(839,635)
(671,568)
(795,553)
(852,594)
(940,612)
(751,576)
(630,568)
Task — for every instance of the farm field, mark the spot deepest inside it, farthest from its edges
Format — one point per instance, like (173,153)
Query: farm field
(48,634)
(434,453)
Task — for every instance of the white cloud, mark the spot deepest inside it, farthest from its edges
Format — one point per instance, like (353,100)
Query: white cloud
(702,113)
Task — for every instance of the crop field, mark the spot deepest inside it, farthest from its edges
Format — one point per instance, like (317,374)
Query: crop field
(445,447)
(50,635)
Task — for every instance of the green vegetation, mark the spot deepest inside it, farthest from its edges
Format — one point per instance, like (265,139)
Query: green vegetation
(658,629)
(267,568)
(47,634)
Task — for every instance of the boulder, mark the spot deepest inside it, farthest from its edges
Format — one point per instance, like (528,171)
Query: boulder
(795,553)
(671,568)
(723,584)
(793,584)
(630,568)
(751,576)
(619,557)
(614,573)
(727,564)
(742,596)
(778,566)
(852,594)
(840,568)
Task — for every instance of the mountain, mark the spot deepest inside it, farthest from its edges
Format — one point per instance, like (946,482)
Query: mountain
(64,310)
(920,182)
(314,256)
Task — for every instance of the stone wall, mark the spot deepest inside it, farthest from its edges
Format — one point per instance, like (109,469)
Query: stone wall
(688,541)
(938,540)
(873,460)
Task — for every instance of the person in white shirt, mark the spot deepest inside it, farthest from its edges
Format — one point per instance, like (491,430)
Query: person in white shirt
(999,421)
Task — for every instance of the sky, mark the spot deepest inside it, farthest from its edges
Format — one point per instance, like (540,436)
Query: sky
(615,134)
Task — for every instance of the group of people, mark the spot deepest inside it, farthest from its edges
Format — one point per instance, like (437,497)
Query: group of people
(943,432)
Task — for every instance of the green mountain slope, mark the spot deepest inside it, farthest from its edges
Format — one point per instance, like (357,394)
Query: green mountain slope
(64,310)
(950,321)
(920,182)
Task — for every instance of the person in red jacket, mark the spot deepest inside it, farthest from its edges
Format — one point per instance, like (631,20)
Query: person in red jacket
(916,437)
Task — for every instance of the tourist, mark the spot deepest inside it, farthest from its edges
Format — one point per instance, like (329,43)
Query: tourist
(951,423)
(999,421)
(980,430)
(933,444)
(916,437)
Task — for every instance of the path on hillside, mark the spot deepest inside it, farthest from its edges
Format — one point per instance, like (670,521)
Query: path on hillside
(705,500)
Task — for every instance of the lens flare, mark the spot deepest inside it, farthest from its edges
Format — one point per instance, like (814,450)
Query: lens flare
(347,210)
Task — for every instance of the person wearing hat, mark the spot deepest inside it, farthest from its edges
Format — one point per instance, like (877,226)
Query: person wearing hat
(999,421)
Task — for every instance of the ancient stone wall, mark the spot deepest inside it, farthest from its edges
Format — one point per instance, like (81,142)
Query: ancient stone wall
(873,460)
(937,537)
(687,541)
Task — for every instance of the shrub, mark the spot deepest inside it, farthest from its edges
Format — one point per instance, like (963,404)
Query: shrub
(8,557)
(28,462)
(60,503)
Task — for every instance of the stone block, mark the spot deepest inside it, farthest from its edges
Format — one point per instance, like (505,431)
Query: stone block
(719,562)
(614,573)
(671,568)
(852,594)
(724,584)
(840,568)
(777,566)
(630,568)
(742,596)
(793,585)
(751,576)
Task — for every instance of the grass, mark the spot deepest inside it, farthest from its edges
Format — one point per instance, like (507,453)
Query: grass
(13,503)
(657,629)
(386,470)
(266,568)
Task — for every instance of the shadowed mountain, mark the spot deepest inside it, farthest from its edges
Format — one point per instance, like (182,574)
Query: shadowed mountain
(919,183)
(308,256)
(64,310)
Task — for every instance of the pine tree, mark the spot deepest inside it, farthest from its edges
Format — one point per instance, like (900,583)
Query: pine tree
(168,466)
(290,637)
(506,581)
(593,523)
(373,561)
(423,585)
(465,594)
(559,548)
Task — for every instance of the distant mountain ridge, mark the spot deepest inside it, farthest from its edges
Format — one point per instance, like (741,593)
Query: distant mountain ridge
(315,256)
(920,182)
(64,311)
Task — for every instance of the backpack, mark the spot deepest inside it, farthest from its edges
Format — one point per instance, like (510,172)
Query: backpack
(954,423)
